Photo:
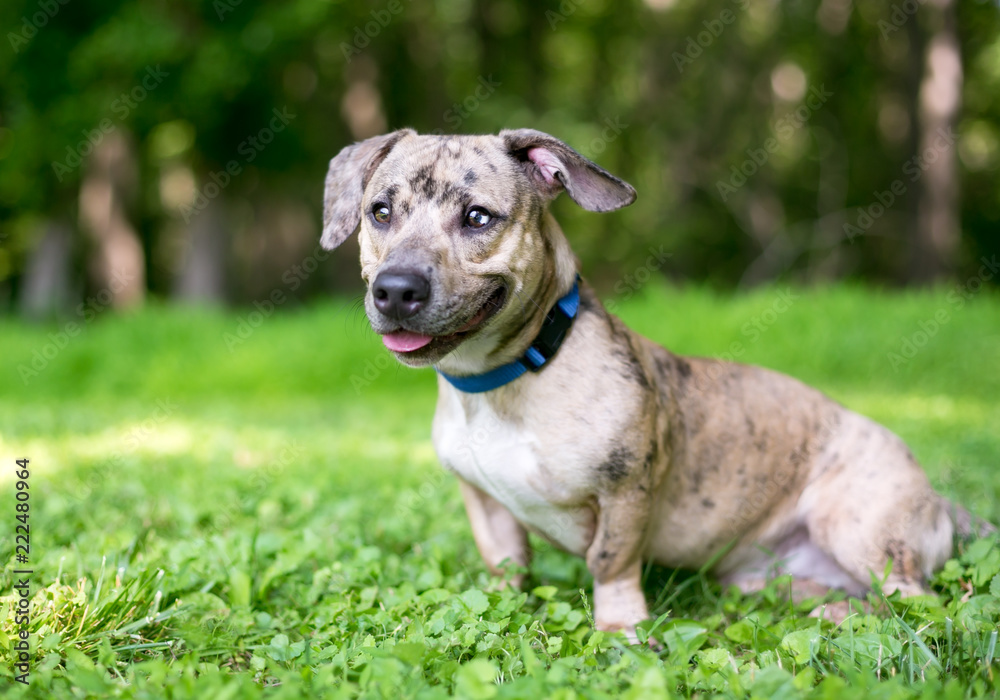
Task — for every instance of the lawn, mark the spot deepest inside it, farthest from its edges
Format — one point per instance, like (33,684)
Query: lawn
(227,505)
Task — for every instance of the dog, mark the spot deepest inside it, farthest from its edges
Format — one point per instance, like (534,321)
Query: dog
(559,420)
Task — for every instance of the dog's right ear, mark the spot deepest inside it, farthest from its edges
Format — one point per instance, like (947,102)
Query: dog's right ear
(346,180)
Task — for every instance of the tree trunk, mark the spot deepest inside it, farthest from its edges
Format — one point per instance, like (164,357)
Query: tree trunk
(202,275)
(938,230)
(47,276)
(118,266)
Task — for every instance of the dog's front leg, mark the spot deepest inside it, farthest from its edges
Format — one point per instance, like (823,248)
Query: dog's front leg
(615,560)
(498,535)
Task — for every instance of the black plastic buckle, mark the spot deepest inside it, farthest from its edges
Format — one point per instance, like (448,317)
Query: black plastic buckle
(550,337)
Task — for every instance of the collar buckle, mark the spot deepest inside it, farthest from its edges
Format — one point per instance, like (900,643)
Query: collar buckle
(550,337)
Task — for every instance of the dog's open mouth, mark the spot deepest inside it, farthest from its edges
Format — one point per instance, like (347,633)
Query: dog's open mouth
(404,341)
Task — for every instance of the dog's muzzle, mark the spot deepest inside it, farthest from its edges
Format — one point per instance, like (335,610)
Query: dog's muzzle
(399,295)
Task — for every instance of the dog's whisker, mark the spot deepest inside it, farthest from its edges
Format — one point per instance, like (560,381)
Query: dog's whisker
(351,316)
(524,310)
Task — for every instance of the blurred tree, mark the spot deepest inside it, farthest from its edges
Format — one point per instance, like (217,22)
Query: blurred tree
(938,220)
(762,136)
(118,263)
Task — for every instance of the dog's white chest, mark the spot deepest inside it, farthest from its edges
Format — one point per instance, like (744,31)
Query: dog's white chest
(512,465)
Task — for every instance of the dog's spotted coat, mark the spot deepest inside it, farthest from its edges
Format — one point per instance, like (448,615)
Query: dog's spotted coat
(619,450)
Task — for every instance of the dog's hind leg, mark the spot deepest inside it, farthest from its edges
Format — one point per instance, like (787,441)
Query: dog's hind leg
(908,526)
(870,503)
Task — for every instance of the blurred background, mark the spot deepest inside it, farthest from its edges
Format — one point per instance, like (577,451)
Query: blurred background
(177,150)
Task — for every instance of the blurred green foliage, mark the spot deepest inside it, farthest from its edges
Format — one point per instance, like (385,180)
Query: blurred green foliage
(670,94)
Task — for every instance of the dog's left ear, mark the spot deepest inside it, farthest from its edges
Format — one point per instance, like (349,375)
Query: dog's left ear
(553,166)
(349,173)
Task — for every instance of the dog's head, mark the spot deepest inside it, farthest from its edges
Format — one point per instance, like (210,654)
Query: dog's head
(457,247)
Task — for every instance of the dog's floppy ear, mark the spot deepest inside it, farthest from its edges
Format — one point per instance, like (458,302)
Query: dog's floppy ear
(553,166)
(346,180)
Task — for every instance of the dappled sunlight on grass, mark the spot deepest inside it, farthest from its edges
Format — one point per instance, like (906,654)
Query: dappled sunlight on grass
(960,414)
(137,439)
(904,411)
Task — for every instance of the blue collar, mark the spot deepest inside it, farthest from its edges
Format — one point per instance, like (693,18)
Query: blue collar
(550,337)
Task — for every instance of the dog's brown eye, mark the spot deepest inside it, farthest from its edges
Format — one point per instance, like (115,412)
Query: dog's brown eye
(381,213)
(477,217)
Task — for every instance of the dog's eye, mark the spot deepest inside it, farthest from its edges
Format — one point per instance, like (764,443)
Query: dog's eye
(381,213)
(477,217)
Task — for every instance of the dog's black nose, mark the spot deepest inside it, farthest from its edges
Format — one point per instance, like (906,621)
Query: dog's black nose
(399,294)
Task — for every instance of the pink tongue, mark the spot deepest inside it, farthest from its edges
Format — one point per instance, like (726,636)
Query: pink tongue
(405,341)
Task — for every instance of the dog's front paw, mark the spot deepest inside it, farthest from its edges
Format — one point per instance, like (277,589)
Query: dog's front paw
(630,632)
(619,605)
(835,612)
(625,628)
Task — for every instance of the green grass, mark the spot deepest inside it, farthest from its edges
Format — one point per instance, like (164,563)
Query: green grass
(272,521)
